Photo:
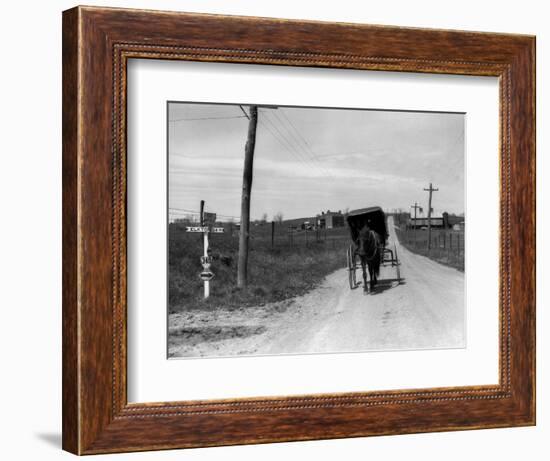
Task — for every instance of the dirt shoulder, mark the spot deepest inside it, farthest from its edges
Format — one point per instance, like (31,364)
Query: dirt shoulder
(252,330)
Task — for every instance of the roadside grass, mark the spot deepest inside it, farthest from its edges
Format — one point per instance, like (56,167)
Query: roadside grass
(447,246)
(287,270)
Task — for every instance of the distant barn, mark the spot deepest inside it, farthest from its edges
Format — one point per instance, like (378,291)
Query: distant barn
(441,221)
(418,223)
(330,219)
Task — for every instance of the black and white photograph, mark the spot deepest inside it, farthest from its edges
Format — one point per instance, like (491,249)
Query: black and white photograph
(303,230)
(275,230)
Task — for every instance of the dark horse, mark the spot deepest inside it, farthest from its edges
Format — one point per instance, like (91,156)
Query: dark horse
(368,249)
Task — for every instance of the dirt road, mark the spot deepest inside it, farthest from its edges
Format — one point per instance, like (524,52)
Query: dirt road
(425,310)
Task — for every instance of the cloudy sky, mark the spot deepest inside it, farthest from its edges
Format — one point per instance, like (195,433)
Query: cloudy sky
(308,159)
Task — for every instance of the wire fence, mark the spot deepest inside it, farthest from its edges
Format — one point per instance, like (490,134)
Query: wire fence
(445,245)
(280,235)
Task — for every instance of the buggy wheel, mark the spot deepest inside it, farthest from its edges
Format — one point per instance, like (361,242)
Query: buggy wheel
(397,271)
(351,268)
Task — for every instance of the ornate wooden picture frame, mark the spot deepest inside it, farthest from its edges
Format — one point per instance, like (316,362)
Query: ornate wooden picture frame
(97,44)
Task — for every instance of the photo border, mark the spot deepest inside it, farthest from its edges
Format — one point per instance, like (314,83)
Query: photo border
(97,43)
(293,106)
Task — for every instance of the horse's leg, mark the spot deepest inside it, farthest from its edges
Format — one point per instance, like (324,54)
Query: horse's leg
(372,274)
(365,286)
(376,267)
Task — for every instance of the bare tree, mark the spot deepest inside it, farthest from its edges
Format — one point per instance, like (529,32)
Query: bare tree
(264,218)
(278,217)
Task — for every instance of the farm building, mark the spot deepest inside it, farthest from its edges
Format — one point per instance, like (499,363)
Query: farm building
(459,226)
(441,221)
(330,219)
(436,221)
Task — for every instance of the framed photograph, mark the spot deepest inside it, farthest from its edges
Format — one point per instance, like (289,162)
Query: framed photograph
(281,230)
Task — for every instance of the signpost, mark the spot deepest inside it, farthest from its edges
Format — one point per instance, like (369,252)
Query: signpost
(207,222)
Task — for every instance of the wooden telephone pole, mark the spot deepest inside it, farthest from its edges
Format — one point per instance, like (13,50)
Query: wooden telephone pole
(430,190)
(245,200)
(416,206)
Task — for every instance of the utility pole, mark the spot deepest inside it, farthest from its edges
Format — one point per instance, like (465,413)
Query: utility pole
(245,200)
(416,206)
(430,190)
(252,116)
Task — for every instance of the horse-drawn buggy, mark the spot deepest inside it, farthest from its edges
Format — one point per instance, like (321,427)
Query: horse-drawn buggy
(369,235)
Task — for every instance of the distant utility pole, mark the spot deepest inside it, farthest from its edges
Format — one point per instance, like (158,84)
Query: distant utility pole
(416,206)
(245,200)
(430,190)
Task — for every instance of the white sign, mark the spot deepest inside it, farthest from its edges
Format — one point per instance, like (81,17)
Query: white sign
(206,276)
(218,230)
(196,229)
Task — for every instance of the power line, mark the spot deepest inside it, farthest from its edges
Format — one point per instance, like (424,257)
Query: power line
(184,210)
(309,161)
(299,136)
(244,112)
(205,118)
(290,143)
(308,155)
(300,156)
(286,145)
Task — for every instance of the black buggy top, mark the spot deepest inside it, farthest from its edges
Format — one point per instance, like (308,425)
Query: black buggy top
(373,216)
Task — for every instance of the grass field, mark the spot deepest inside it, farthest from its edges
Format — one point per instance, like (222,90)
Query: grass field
(447,246)
(290,268)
